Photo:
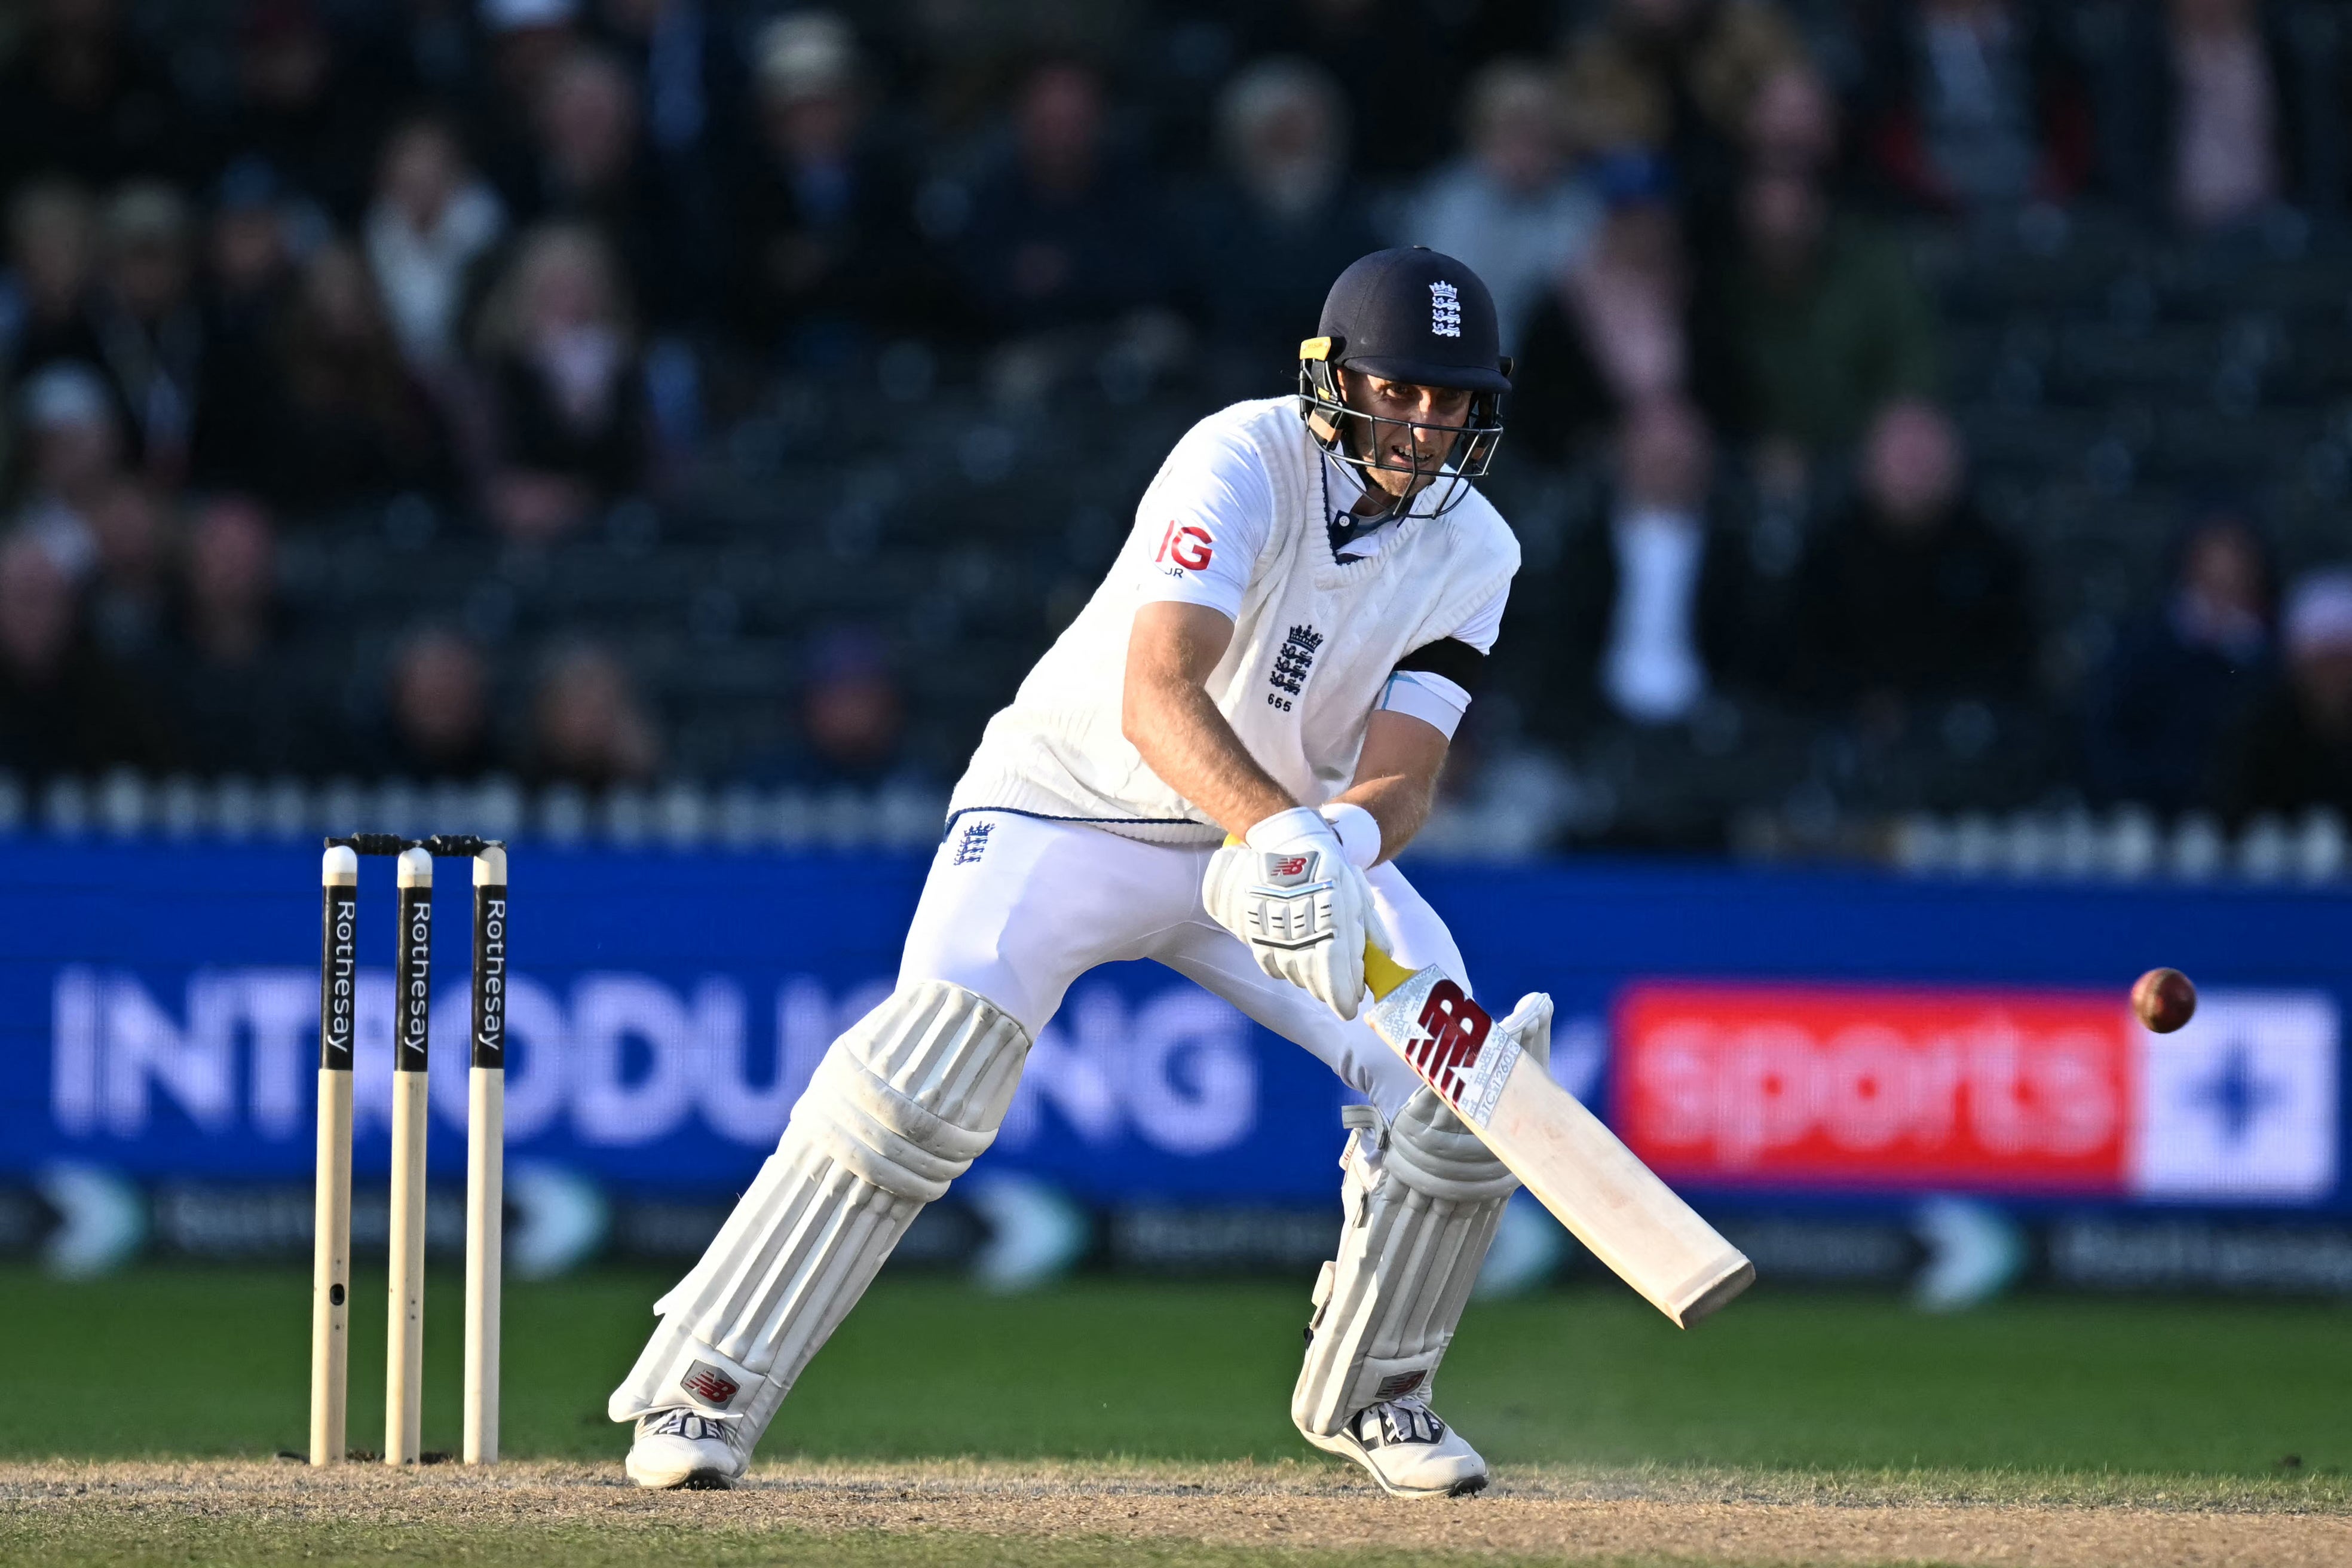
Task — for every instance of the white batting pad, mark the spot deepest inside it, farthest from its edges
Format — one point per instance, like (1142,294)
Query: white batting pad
(1421,1197)
(901,1106)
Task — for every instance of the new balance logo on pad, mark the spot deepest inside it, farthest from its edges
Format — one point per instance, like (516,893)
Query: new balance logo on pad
(710,1384)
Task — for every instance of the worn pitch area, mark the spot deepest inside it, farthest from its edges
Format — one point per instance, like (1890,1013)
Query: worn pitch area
(1289,1513)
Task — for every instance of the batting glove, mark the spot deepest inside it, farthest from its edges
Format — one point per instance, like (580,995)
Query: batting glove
(1289,892)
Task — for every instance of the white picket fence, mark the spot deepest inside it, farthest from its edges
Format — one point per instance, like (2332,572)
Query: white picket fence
(679,813)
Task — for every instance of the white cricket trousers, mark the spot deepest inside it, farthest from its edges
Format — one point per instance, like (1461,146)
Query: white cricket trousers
(1017,907)
(1014,909)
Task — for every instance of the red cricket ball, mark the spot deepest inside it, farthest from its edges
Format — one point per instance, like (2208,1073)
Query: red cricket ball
(2164,999)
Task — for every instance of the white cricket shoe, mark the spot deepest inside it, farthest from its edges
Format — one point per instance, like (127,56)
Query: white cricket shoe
(684,1449)
(1408,1450)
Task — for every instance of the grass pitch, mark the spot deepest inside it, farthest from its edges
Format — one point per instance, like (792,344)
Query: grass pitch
(953,1515)
(1126,1423)
(179,1363)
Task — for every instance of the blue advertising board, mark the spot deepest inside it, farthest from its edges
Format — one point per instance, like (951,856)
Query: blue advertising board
(159,1012)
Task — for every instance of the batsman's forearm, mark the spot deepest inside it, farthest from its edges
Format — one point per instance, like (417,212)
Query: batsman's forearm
(1398,803)
(1195,752)
(1396,775)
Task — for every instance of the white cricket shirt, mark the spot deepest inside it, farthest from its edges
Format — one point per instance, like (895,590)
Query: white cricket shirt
(1237,520)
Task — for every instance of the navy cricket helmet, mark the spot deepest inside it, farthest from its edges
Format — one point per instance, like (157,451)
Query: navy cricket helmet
(1414,315)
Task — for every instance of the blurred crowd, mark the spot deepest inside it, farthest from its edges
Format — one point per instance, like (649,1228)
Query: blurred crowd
(271,262)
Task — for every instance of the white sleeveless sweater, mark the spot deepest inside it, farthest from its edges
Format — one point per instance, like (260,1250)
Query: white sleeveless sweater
(1315,642)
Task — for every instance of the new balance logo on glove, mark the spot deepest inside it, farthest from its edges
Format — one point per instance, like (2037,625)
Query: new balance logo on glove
(1292,907)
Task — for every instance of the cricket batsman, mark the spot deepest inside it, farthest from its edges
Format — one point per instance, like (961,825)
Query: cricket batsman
(1281,653)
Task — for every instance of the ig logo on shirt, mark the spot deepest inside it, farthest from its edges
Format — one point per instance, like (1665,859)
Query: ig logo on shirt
(1188,546)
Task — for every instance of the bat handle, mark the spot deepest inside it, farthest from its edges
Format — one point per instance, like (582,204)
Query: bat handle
(1382,973)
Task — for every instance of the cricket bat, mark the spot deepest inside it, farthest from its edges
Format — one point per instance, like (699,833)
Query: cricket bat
(1612,1201)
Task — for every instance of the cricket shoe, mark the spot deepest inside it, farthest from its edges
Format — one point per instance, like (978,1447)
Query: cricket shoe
(686,1449)
(1408,1450)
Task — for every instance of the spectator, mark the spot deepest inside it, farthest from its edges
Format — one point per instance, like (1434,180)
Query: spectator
(130,535)
(2209,118)
(1625,327)
(2294,748)
(964,62)
(151,332)
(1064,232)
(45,296)
(73,453)
(589,727)
(1357,43)
(2177,681)
(440,708)
(420,52)
(352,424)
(1911,596)
(692,75)
(1510,208)
(298,109)
(65,706)
(2228,162)
(1792,122)
(1283,221)
(527,40)
(251,249)
(432,220)
(560,351)
(1672,578)
(853,715)
(1645,613)
(79,100)
(1674,80)
(593,170)
(235,685)
(1823,321)
(586,129)
(1972,104)
(232,583)
(824,247)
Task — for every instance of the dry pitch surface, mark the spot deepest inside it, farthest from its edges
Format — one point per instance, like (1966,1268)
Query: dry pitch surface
(1293,1514)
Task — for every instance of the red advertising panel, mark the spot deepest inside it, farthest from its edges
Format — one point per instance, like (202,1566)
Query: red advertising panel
(1877,1086)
